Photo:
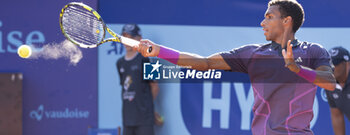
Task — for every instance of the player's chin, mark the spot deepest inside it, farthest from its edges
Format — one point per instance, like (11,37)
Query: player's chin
(267,38)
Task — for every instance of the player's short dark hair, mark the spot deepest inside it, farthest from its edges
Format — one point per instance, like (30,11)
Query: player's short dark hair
(290,8)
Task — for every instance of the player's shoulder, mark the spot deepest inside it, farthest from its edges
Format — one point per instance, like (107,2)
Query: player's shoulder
(314,50)
(247,47)
(311,45)
(264,45)
(254,46)
(257,47)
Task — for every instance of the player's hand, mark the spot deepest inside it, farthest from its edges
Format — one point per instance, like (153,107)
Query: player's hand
(144,46)
(289,58)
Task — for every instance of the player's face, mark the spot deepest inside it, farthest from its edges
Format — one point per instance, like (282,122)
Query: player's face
(272,24)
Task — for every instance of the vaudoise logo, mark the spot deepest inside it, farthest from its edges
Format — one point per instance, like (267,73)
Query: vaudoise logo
(66,113)
(158,71)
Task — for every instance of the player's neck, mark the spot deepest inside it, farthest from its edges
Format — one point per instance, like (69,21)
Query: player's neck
(283,42)
(130,55)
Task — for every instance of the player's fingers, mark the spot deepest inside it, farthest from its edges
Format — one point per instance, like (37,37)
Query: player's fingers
(289,48)
(152,48)
(147,45)
(145,48)
(148,48)
(141,48)
(287,58)
(135,48)
(284,53)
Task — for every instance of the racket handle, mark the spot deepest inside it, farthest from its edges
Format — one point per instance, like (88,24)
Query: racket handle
(149,49)
(129,42)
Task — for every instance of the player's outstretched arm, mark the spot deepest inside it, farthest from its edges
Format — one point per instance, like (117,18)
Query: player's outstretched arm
(194,61)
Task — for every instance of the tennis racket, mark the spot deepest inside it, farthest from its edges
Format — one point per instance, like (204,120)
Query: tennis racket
(84,27)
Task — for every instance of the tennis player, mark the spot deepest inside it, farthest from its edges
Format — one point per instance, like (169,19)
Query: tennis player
(284,90)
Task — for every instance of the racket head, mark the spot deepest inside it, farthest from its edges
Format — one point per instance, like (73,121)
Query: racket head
(82,25)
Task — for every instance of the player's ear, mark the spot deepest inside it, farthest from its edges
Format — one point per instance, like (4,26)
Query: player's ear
(287,19)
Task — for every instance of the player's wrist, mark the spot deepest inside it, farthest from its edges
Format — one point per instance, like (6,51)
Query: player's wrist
(168,54)
(307,74)
(156,49)
(292,66)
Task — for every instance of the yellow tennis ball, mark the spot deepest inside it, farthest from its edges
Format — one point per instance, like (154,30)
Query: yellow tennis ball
(24,51)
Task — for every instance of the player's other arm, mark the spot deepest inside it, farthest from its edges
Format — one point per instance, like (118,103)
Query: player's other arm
(325,78)
(322,76)
(195,61)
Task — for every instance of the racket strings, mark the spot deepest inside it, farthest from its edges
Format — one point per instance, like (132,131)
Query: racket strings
(82,26)
(78,32)
(81,32)
(82,16)
(81,35)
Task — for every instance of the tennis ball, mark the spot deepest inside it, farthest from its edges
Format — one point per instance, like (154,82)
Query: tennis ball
(24,51)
